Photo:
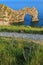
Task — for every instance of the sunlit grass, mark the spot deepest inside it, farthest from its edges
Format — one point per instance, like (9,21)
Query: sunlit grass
(22,28)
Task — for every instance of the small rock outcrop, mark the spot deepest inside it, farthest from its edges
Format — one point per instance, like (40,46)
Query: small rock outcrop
(8,15)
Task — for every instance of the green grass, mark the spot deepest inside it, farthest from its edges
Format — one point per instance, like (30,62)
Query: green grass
(20,51)
(22,28)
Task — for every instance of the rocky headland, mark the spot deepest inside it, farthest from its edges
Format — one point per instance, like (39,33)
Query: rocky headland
(8,15)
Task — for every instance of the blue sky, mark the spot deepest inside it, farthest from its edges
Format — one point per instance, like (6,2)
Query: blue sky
(18,4)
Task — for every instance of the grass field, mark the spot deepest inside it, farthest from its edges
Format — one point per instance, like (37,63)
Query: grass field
(20,51)
(22,28)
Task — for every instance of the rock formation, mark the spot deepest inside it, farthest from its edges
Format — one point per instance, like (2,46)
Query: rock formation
(8,15)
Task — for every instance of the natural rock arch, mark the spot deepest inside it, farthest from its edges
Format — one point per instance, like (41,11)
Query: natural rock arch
(15,16)
(31,11)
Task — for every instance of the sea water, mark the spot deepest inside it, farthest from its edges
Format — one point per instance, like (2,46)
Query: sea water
(28,21)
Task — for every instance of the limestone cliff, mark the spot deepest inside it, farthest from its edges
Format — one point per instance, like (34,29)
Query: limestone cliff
(8,15)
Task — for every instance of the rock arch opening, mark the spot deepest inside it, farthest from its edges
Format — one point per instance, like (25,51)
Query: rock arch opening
(27,19)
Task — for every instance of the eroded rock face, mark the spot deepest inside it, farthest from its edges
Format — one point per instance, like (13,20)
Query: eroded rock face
(8,15)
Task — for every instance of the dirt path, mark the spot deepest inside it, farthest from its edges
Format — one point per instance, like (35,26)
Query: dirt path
(22,35)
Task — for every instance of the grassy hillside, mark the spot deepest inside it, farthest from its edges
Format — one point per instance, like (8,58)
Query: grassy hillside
(22,28)
(20,51)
